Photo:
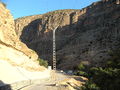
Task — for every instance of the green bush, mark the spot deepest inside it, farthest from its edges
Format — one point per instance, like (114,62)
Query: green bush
(43,62)
(82,73)
(106,77)
(81,70)
(89,85)
(81,66)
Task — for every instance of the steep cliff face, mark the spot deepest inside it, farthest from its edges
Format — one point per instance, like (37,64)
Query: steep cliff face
(8,35)
(36,31)
(11,48)
(17,62)
(85,35)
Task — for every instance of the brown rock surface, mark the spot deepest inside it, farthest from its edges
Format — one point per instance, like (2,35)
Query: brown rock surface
(17,62)
(8,35)
(11,48)
(71,83)
(85,35)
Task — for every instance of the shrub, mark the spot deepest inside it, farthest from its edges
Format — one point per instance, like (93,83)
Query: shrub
(107,77)
(89,85)
(82,73)
(43,62)
(81,66)
(81,70)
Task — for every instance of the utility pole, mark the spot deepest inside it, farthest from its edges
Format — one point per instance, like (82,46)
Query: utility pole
(54,49)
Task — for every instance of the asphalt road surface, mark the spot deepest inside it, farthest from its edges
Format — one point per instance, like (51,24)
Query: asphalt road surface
(49,84)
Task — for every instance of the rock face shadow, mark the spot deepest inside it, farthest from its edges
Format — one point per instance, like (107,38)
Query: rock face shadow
(86,39)
(4,86)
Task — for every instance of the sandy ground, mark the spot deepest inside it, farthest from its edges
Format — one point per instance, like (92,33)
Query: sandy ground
(15,66)
(11,74)
(17,58)
(58,81)
(49,84)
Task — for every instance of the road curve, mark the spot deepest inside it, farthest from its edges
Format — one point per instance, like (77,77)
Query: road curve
(49,84)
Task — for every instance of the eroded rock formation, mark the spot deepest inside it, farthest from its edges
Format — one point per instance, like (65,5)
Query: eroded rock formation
(85,35)
(11,48)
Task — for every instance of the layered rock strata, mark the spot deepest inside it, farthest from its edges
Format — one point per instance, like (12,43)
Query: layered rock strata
(85,35)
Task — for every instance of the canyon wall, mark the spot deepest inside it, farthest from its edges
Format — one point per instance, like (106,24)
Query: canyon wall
(17,61)
(86,35)
(8,35)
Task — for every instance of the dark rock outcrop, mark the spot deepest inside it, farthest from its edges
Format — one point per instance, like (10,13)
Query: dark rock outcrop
(85,35)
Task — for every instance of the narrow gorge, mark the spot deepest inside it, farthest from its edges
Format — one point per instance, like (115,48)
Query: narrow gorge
(85,35)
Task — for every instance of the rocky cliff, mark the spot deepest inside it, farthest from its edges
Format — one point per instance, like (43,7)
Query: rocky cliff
(11,48)
(8,35)
(85,35)
(17,62)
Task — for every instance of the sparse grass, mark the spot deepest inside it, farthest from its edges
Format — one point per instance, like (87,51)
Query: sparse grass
(106,77)
(43,62)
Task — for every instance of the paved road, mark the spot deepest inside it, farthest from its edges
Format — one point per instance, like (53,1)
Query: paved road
(49,84)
